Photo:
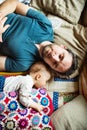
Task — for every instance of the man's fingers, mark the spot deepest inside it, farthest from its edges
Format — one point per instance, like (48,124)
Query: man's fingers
(3,20)
(2,27)
(5,27)
(0,38)
(1,16)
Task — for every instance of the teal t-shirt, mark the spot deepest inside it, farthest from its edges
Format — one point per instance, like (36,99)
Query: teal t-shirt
(22,35)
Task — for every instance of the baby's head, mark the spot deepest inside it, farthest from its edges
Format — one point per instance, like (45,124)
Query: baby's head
(40,74)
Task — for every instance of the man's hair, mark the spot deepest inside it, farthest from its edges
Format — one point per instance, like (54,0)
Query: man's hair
(73,67)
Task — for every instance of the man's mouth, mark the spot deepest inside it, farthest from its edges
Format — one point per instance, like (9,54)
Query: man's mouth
(61,57)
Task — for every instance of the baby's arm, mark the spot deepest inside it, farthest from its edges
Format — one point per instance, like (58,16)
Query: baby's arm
(36,106)
(28,102)
(24,94)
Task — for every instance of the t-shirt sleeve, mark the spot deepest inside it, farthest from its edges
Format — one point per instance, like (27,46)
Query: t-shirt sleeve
(43,24)
(39,16)
(13,65)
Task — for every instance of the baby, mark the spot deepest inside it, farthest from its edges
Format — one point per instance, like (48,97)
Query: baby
(38,76)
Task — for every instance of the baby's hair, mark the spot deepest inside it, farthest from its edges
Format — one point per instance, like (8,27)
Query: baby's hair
(34,68)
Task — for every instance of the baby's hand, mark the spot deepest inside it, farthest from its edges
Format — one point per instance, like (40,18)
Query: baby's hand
(39,108)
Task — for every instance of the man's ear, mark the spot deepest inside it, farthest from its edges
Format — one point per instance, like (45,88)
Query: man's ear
(37,76)
(63,46)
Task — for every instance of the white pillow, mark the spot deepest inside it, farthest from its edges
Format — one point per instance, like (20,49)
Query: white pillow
(55,20)
(1,1)
(72,116)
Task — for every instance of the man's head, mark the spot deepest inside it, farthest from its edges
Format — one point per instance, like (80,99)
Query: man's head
(41,74)
(59,58)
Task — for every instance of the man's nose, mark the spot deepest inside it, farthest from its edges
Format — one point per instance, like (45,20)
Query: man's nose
(55,57)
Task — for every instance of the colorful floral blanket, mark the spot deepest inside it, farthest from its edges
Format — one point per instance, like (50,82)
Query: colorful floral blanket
(14,116)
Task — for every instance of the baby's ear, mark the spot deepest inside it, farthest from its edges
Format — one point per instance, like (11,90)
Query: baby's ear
(38,76)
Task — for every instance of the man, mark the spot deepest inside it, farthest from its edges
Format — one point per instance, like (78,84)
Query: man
(28,37)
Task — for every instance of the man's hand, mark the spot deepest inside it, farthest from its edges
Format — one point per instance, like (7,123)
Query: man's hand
(2,27)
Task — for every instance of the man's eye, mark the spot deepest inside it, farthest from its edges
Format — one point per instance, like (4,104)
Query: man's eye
(49,55)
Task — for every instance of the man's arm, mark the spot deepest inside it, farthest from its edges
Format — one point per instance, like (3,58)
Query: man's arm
(10,6)
(7,7)
(2,63)
(22,8)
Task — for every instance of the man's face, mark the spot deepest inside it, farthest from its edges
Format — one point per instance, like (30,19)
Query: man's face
(57,57)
